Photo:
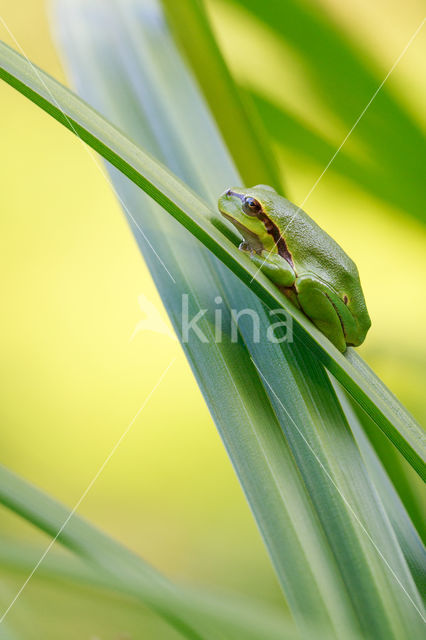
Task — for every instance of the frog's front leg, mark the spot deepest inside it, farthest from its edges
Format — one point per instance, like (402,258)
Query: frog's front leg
(276,268)
(326,309)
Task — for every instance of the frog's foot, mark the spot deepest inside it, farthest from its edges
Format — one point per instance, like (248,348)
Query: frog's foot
(244,246)
(327,311)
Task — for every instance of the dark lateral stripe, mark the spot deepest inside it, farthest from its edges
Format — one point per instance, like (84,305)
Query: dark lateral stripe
(279,241)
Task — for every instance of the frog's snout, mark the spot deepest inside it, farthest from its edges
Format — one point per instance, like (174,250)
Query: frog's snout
(224,196)
(230,203)
(233,192)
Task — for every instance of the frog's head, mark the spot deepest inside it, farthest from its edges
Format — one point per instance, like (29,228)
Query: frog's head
(248,210)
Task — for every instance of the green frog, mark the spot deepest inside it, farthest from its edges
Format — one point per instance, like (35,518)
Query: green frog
(302,260)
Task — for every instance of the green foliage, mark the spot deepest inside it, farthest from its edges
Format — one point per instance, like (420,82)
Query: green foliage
(105,564)
(342,77)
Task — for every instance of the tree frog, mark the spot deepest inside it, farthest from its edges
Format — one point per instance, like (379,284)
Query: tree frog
(307,265)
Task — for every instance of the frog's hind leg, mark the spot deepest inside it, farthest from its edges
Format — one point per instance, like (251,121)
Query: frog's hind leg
(324,308)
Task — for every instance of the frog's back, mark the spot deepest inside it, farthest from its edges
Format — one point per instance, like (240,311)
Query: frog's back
(312,249)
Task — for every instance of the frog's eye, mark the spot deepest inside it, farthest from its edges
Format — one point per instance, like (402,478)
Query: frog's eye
(251,206)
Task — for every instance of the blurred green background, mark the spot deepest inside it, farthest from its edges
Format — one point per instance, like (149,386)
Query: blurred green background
(73,370)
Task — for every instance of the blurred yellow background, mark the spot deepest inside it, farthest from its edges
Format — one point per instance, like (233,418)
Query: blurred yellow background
(72,377)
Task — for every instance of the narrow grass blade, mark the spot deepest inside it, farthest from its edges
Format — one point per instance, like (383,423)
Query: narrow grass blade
(230,107)
(201,221)
(344,75)
(237,617)
(105,562)
(303,141)
(406,533)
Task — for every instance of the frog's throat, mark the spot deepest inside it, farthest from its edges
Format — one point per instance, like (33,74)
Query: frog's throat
(250,237)
(272,230)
